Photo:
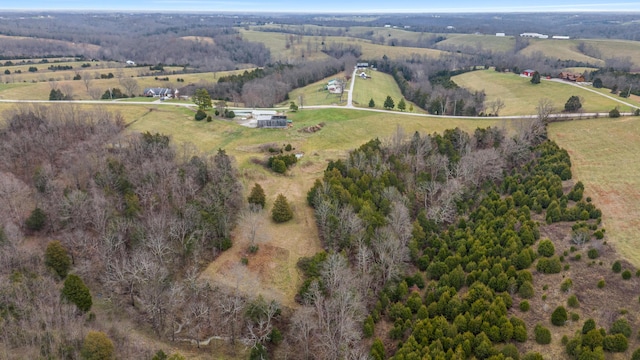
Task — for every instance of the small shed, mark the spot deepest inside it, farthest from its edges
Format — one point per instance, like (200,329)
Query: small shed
(528,73)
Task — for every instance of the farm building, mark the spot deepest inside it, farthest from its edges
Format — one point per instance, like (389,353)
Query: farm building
(528,73)
(272,121)
(561,37)
(571,77)
(501,34)
(159,92)
(362,65)
(131,63)
(534,35)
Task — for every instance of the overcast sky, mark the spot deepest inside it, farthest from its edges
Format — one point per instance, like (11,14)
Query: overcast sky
(326,6)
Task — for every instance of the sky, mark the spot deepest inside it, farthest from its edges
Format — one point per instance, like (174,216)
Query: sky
(327,6)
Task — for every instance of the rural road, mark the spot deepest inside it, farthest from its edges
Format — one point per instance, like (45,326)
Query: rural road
(349,105)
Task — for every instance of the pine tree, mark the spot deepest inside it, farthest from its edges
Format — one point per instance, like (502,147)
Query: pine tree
(388,103)
(76,292)
(372,103)
(402,106)
(56,258)
(281,210)
(535,79)
(257,196)
(36,220)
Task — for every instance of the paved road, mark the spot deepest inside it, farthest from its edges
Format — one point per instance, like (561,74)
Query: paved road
(353,82)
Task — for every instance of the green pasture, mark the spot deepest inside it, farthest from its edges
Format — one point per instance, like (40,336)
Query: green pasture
(604,156)
(316,94)
(521,97)
(377,87)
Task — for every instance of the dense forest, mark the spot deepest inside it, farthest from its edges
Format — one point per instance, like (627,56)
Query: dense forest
(430,243)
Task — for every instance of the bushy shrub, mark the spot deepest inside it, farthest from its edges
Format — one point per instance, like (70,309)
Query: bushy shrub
(97,346)
(615,343)
(593,253)
(524,305)
(546,248)
(616,267)
(566,285)
(589,325)
(620,326)
(559,316)
(572,301)
(601,283)
(526,290)
(636,355)
(542,335)
(532,356)
(614,113)
(550,265)
(626,275)
(76,292)
(56,257)
(200,115)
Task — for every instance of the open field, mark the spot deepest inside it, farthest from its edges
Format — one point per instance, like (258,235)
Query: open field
(311,46)
(617,48)
(559,49)
(480,42)
(521,97)
(604,157)
(316,94)
(378,87)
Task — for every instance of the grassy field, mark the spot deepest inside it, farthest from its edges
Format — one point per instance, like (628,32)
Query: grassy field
(618,48)
(559,49)
(482,42)
(521,97)
(311,46)
(604,157)
(316,94)
(378,87)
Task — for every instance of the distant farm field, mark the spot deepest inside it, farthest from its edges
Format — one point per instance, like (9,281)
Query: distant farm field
(604,155)
(316,94)
(478,42)
(559,49)
(521,97)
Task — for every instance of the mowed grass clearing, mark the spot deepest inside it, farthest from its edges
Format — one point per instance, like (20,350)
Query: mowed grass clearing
(604,156)
(521,97)
(378,87)
(316,94)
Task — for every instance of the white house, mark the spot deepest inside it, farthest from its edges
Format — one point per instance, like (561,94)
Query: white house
(130,62)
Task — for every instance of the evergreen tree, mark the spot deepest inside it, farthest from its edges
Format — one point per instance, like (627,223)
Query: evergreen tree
(402,106)
(388,103)
(56,258)
(202,99)
(597,83)
(36,220)
(535,79)
(97,346)
(281,210)
(573,104)
(257,196)
(372,103)
(76,292)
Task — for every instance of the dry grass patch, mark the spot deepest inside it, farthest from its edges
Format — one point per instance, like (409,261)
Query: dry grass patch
(559,49)
(604,157)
